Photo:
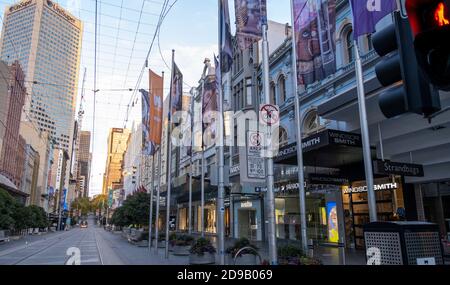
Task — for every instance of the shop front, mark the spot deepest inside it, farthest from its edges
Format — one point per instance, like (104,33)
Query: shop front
(210,209)
(336,191)
(248,217)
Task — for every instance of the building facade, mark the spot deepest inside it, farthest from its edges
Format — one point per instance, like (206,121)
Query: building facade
(134,162)
(46,40)
(117,145)
(12,156)
(84,163)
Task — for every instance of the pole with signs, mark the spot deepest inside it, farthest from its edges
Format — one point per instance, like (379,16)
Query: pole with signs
(301,174)
(269,160)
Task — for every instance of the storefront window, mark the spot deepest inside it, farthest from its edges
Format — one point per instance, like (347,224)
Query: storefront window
(390,207)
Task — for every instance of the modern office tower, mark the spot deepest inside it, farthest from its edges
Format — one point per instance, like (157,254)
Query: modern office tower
(46,40)
(84,163)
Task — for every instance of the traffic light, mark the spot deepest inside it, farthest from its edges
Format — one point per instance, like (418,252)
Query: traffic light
(408,88)
(430,24)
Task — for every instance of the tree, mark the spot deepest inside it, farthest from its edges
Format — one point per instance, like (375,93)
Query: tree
(8,206)
(135,210)
(83,205)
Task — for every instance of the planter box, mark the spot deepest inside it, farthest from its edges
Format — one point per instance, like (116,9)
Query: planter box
(206,259)
(181,250)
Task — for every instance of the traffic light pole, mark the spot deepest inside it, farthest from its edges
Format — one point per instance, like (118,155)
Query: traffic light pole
(365,136)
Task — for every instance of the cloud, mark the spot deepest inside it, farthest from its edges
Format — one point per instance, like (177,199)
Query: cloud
(73,6)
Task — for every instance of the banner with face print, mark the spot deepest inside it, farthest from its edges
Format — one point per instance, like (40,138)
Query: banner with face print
(250,16)
(315,28)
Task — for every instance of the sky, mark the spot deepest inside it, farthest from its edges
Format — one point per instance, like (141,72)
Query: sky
(124,39)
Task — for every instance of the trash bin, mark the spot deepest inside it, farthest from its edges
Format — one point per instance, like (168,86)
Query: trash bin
(403,243)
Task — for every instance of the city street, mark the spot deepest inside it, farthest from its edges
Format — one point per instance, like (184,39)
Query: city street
(97,247)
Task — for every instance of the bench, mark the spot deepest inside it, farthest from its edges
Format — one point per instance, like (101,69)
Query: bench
(3,237)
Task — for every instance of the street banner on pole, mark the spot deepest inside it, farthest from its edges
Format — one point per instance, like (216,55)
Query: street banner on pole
(250,16)
(226,48)
(156,108)
(314,28)
(209,110)
(177,89)
(367,15)
(147,146)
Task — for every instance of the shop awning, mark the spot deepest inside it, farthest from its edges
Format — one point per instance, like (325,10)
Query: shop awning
(9,186)
(329,148)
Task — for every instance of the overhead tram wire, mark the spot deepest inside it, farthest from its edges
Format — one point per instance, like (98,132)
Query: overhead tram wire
(117,43)
(164,11)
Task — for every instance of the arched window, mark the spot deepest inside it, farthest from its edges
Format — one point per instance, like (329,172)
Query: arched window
(350,44)
(282,89)
(283,137)
(273,95)
(311,123)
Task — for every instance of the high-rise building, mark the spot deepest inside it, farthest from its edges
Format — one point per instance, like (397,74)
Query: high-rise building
(117,145)
(46,40)
(84,163)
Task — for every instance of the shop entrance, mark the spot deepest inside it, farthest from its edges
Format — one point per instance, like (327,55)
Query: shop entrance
(248,227)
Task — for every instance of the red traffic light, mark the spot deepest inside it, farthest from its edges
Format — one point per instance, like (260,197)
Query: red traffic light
(427,15)
(440,15)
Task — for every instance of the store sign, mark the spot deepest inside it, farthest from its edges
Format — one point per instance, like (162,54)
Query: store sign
(235,170)
(60,11)
(322,179)
(20,6)
(246,204)
(394,168)
(378,187)
(322,139)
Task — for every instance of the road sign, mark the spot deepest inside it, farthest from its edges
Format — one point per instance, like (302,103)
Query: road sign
(255,160)
(269,114)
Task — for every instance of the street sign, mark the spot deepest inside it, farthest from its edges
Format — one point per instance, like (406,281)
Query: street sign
(255,161)
(269,114)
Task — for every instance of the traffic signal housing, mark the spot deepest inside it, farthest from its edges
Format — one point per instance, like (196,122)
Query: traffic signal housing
(408,90)
(430,24)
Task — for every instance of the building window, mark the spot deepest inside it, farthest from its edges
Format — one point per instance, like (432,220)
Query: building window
(369,42)
(283,137)
(311,123)
(273,95)
(248,91)
(350,44)
(282,89)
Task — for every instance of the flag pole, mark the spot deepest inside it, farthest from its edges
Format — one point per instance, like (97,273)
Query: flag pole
(152,187)
(192,153)
(158,192)
(269,160)
(169,160)
(202,182)
(221,188)
(298,118)
(365,132)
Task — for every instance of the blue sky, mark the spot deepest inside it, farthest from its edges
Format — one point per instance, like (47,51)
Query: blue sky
(190,28)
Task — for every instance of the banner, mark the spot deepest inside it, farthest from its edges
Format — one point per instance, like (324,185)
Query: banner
(367,14)
(156,107)
(177,89)
(250,16)
(226,49)
(314,29)
(209,110)
(147,146)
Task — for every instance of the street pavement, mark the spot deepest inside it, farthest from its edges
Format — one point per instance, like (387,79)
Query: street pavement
(96,247)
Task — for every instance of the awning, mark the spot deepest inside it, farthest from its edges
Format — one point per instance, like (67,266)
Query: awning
(328,149)
(9,186)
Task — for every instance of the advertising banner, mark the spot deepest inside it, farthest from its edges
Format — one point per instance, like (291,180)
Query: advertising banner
(250,16)
(315,28)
